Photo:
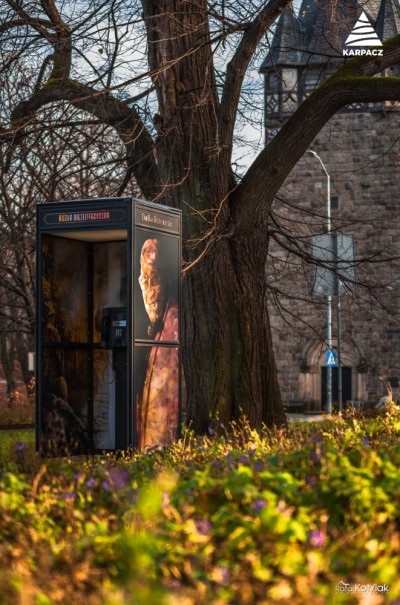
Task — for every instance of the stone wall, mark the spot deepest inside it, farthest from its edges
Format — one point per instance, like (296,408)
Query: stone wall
(361,152)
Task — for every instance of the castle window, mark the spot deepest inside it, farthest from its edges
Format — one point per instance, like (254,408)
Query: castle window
(281,92)
(335,202)
(273,94)
(289,90)
(311,81)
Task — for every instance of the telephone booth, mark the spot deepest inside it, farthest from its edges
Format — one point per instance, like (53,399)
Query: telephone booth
(108,325)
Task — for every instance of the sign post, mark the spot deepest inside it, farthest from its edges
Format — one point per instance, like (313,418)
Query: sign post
(334,276)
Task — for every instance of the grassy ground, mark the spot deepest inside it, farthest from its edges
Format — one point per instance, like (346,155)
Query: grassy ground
(310,514)
(10,439)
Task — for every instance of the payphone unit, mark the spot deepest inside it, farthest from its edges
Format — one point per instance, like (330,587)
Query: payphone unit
(113,327)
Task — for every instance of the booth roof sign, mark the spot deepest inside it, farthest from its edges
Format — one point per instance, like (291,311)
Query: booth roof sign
(84,216)
(105,214)
(157,219)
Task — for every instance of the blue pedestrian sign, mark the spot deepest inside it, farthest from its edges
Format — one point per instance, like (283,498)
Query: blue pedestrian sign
(331,358)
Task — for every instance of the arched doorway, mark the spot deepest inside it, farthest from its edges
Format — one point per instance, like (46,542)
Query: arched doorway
(314,372)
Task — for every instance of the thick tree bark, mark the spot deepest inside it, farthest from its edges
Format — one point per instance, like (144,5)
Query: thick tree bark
(249,252)
(228,358)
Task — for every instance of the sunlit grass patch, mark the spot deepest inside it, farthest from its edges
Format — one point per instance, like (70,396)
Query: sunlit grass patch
(237,516)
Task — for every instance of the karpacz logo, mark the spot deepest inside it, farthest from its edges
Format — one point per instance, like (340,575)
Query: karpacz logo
(362,35)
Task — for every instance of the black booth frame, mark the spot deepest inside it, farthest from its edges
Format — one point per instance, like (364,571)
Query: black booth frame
(130,205)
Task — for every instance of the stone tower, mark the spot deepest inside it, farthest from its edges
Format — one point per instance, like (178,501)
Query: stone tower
(360,150)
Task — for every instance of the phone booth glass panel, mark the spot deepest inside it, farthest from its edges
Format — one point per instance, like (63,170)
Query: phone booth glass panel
(157,319)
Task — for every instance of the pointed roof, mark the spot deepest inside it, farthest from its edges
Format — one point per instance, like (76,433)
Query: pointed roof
(388,20)
(317,36)
(287,45)
(326,25)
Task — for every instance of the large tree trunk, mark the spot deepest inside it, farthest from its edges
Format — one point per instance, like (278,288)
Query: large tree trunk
(228,358)
(261,389)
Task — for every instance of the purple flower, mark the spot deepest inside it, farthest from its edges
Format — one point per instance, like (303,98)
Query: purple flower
(69,496)
(210,431)
(218,465)
(106,486)
(311,480)
(259,465)
(90,483)
(259,505)
(78,476)
(315,456)
(20,446)
(203,527)
(243,460)
(366,441)
(316,538)
(118,478)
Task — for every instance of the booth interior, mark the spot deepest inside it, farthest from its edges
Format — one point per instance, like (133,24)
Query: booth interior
(108,374)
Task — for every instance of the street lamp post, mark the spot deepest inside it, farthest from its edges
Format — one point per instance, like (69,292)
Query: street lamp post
(329,296)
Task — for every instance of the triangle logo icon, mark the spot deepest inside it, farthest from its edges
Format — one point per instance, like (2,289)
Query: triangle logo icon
(363,34)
